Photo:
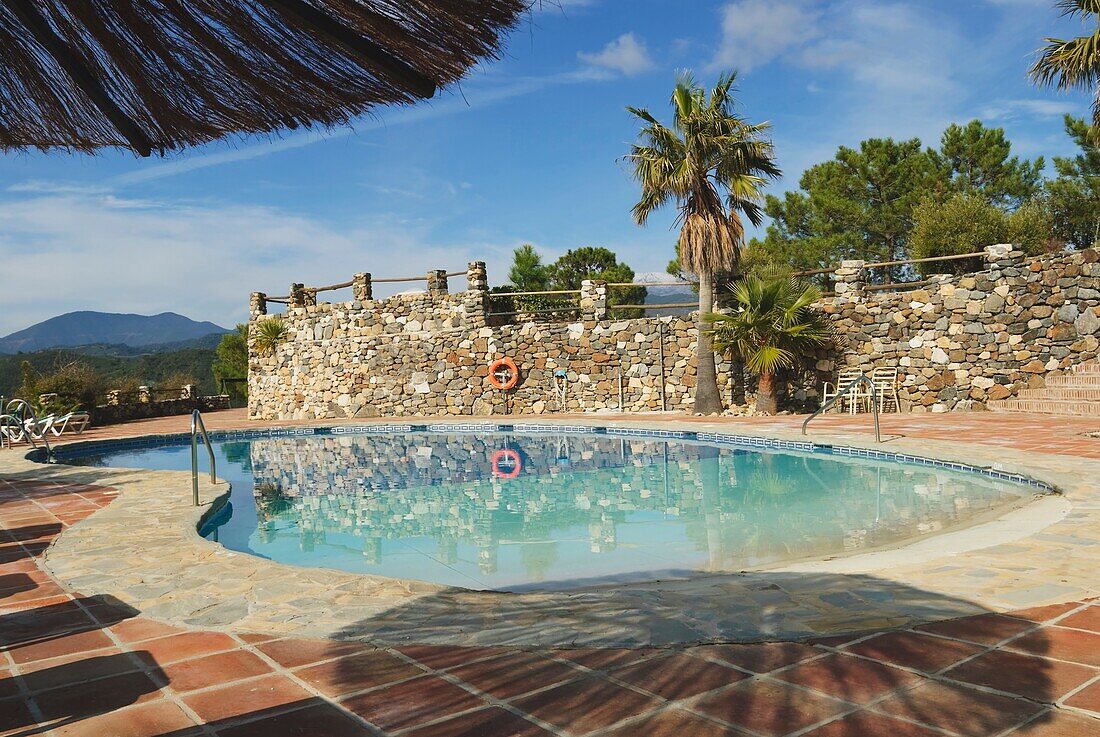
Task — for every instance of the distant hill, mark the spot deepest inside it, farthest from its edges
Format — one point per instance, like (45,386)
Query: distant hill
(125,351)
(105,328)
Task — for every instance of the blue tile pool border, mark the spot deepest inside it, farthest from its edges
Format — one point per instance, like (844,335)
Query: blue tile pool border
(82,449)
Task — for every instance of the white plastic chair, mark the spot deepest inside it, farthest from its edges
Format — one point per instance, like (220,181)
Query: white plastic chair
(854,400)
(886,384)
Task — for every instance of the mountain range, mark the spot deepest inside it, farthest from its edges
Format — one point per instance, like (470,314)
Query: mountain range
(109,333)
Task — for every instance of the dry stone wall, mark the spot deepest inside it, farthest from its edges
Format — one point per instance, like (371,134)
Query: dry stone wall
(958,341)
(961,341)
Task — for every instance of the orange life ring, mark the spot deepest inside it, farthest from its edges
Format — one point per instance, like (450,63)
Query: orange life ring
(496,370)
(514,461)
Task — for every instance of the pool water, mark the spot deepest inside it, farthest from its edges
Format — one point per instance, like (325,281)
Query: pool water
(513,511)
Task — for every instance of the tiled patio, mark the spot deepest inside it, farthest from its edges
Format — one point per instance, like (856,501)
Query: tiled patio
(74,665)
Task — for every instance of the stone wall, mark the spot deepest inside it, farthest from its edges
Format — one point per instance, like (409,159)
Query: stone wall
(112,414)
(958,341)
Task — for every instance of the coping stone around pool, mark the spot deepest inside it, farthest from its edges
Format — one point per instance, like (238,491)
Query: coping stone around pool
(145,550)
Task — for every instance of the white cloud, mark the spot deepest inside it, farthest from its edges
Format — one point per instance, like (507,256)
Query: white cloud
(1042,109)
(757,32)
(489,92)
(626,55)
(65,252)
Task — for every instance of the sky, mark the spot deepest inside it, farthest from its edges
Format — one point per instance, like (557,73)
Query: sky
(528,149)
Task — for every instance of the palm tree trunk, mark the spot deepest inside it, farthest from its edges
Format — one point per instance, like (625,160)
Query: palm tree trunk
(766,400)
(708,401)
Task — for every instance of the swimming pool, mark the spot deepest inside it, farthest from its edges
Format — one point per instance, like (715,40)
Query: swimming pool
(515,508)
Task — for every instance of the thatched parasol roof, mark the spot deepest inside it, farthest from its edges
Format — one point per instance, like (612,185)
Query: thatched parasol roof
(156,75)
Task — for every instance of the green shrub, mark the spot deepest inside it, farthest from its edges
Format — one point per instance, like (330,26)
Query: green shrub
(964,223)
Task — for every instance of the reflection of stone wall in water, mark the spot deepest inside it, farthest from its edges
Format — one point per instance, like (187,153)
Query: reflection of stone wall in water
(741,508)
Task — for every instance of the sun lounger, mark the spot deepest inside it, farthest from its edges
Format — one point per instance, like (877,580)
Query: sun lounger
(73,422)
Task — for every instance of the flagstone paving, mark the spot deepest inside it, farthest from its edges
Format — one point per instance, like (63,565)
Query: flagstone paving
(77,662)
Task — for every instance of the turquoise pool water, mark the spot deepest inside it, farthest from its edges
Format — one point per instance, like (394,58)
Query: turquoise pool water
(526,511)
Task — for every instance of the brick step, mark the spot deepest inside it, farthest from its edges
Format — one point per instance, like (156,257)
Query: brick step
(1047,406)
(1089,367)
(1080,394)
(1074,381)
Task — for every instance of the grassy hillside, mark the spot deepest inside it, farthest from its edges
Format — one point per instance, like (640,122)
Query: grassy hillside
(148,369)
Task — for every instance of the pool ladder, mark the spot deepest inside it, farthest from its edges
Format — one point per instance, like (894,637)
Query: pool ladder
(861,379)
(198,429)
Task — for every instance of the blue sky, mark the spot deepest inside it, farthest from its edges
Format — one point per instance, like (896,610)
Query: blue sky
(528,150)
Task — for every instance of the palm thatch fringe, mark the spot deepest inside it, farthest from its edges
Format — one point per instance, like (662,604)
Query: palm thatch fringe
(710,242)
(157,75)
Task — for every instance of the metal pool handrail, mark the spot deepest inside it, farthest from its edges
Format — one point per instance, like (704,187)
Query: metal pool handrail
(199,428)
(861,379)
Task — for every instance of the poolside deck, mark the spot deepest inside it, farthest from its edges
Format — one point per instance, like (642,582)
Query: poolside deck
(80,665)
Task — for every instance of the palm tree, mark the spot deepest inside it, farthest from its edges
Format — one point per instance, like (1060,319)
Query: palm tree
(713,165)
(772,326)
(1074,64)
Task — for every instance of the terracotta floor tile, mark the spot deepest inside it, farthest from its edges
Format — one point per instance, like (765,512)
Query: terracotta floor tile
(148,720)
(139,628)
(586,705)
(678,676)
(254,638)
(1063,644)
(984,629)
(913,650)
(442,657)
(293,652)
(97,697)
(14,716)
(244,698)
(8,685)
(864,724)
(77,668)
(848,678)
(357,672)
(1060,724)
(169,649)
(1086,698)
(514,674)
(769,708)
(63,645)
(761,658)
(411,703)
(491,722)
(674,723)
(1044,613)
(1024,675)
(961,709)
(191,675)
(604,659)
(1088,619)
(317,719)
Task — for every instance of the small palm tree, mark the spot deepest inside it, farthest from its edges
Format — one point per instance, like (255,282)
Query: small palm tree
(773,325)
(713,165)
(1074,64)
(270,333)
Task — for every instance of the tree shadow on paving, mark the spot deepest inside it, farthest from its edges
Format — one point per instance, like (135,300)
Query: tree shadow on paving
(12,584)
(28,533)
(73,692)
(39,625)
(756,643)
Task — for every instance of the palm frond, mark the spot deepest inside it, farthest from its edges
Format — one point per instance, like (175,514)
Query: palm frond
(1079,7)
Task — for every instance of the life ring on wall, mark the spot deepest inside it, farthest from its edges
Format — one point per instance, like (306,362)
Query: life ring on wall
(503,374)
(514,462)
